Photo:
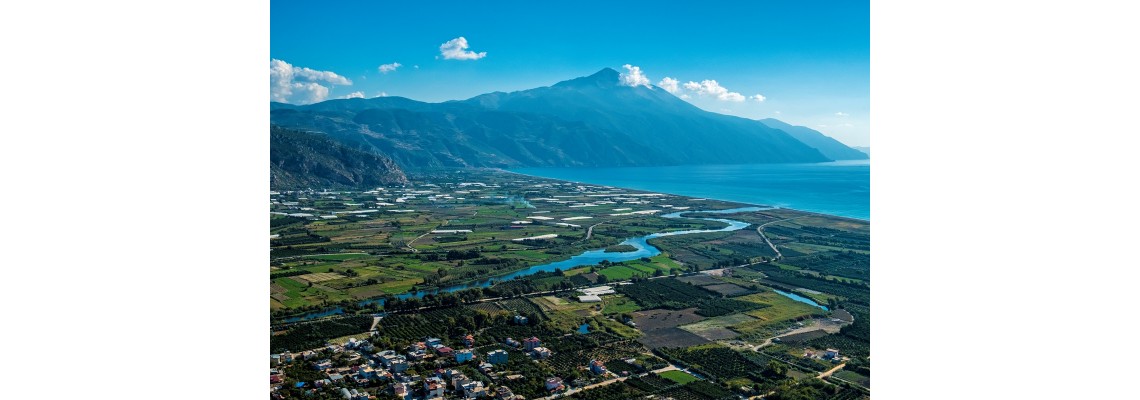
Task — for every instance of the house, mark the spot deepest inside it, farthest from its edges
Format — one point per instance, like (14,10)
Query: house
(554,384)
(531,343)
(444,351)
(336,377)
(541,352)
(469,340)
(597,367)
(401,391)
(520,320)
(513,343)
(504,393)
(463,356)
(458,380)
(323,365)
(274,359)
(831,354)
(431,342)
(474,390)
(486,367)
(497,357)
(434,386)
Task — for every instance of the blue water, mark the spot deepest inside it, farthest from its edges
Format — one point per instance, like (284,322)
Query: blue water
(584,329)
(590,257)
(800,299)
(838,188)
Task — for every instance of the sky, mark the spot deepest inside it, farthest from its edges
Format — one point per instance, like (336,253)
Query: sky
(803,62)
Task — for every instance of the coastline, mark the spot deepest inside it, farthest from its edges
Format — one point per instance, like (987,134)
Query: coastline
(868,220)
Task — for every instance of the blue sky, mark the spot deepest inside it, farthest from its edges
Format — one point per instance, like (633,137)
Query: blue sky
(809,60)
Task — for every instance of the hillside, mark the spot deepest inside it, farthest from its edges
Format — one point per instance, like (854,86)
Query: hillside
(588,121)
(830,148)
(311,160)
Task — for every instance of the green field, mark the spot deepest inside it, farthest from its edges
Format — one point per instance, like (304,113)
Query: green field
(618,304)
(678,376)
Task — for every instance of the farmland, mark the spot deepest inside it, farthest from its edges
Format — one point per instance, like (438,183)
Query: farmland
(706,302)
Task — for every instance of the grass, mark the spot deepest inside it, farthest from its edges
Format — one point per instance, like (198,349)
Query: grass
(618,304)
(678,376)
(783,310)
(339,256)
(618,272)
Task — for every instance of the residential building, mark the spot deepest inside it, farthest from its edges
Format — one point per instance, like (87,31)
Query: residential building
(554,384)
(597,367)
(463,356)
(434,386)
(497,357)
(531,343)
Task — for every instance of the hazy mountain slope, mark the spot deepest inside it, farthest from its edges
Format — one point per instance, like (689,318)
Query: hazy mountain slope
(313,160)
(588,121)
(831,148)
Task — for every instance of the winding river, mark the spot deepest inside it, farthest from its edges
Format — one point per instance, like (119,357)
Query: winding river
(590,257)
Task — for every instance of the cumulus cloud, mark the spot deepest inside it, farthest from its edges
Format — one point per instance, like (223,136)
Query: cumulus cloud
(670,85)
(382,94)
(354,95)
(633,76)
(841,114)
(709,87)
(456,49)
(758,97)
(299,85)
(386,68)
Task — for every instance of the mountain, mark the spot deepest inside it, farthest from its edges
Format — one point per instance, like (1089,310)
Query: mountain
(587,121)
(312,160)
(830,148)
(865,150)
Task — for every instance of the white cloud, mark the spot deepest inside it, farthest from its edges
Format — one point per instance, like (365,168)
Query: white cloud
(758,97)
(633,77)
(841,114)
(686,97)
(386,68)
(382,94)
(456,49)
(669,84)
(354,95)
(299,85)
(416,66)
(709,87)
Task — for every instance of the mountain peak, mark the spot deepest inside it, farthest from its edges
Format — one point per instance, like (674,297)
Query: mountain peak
(607,77)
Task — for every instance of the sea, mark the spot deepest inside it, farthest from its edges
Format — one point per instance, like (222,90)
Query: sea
(840,188)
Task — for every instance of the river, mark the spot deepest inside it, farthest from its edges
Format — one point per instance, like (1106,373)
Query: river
(590,257)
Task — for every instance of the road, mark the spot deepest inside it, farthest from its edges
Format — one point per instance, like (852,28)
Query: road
(590,231)
(760,230)
(830,371)
(603,383)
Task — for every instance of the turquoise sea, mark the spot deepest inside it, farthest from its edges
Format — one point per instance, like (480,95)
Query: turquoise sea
(838,188)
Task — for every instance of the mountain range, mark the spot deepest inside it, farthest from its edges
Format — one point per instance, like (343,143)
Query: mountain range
(591,121)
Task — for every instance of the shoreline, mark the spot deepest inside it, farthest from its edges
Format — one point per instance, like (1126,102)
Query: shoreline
(685,195)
